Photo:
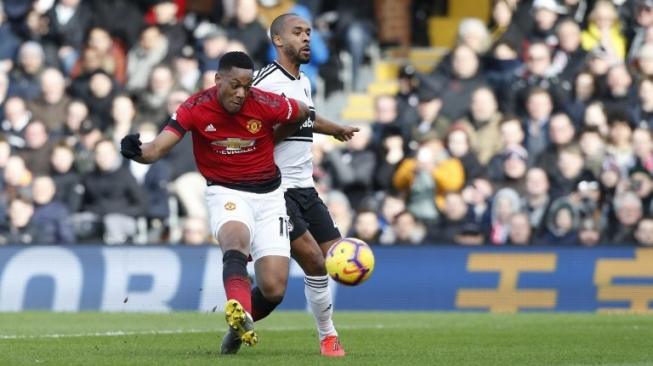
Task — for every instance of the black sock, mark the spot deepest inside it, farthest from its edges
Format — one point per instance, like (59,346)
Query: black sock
(261,307)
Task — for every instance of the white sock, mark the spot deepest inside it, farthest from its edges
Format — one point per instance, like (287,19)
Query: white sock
(318,295)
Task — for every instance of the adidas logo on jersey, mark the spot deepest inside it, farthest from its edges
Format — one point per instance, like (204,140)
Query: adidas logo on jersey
(209,128)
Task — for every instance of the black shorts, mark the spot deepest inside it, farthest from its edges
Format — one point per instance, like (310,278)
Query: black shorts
(307,212)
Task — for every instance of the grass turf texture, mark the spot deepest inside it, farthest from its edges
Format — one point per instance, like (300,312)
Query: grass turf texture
(289,338)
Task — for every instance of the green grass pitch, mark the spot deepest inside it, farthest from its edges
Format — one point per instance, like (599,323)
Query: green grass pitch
(289,338)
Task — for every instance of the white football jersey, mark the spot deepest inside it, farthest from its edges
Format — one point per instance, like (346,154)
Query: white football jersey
(293,155)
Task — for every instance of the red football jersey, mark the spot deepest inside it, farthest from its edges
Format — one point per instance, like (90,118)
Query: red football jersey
(235,150)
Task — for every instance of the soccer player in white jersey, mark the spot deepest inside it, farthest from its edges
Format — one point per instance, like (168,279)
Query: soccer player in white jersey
(312,229)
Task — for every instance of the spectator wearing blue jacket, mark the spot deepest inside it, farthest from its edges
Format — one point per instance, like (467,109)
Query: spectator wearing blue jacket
(51,217)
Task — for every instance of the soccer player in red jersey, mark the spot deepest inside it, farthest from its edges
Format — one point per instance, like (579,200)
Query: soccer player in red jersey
(232,126)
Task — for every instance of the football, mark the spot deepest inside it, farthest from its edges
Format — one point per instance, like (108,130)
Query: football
(350,261)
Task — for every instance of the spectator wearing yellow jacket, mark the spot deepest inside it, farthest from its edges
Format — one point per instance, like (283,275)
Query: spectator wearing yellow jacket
(427,177)
(604,31)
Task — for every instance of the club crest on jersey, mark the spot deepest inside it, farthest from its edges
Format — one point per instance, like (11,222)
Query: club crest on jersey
(254,125)
(229,206)
(234,145)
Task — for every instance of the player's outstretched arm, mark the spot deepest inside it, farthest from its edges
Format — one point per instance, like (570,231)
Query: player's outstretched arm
(340,132)
(285,130)
(132,148)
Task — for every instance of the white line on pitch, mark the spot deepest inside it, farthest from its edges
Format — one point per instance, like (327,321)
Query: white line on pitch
(121,333)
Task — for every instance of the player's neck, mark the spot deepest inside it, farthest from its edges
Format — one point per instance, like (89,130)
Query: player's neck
(289,66)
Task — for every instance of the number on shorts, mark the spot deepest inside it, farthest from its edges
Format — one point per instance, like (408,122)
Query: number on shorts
(283,227)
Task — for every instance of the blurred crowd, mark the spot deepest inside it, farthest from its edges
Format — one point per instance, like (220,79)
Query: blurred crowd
(534,129)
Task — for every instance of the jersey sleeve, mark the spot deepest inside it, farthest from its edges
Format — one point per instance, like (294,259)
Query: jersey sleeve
(288,109)
(180,122)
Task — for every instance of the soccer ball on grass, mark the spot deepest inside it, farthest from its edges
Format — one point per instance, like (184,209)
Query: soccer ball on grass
(350,261)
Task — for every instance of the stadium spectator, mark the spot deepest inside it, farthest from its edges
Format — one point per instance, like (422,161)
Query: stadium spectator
(643,111)
(643,63)
(484,119)
(537,199)
(24,77)
(68,20)
(407,229)
(186,183)
(430,121)
(153,180)
(102,52)
(366,227)
(385,117)
(589,233)
(51,217)
(151,102)
(76,113)
(112,196)
(477,195)
(604,31)
(539,106)
(569,58)
(195,231)
(561,133)
(38,149)
(186,69)
(642,142)
(456,224)
(456,90)
(545,16)
(628,211)
(459,143)
(17,178)
(123,116)
(427,177)
(214,43)
(20,228)
(9,45)
(50,107)
(561,223)
(504,205)
(352,168)
(538,74)
(165,17)
(508,168)
(644,232)
(619,141)
(620,91)
(17,116)
(246,28)
(569,170)
(583,93)
(521,232)
(340,210)
(152,49)
(69,188)
(390,154)
(122,18)
(101,91)
(592,146)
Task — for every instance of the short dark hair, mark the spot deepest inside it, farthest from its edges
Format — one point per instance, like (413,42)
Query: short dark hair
(235,59)
(277,24)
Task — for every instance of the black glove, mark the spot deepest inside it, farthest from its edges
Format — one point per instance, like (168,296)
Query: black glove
(130,146)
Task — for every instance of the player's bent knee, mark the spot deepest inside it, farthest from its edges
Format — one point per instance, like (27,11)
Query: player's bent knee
(234,235)
(274,292)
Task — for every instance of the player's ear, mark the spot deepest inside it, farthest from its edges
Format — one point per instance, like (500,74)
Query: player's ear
(276,39)
(218,78)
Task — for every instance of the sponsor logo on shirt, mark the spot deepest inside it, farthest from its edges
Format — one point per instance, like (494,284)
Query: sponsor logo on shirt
(209,128)
(234,145)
